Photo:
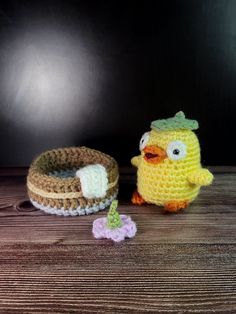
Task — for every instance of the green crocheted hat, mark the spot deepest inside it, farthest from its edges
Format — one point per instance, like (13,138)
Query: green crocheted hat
(177,122)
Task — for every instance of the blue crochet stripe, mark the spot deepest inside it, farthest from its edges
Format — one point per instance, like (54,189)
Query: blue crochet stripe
(79,211)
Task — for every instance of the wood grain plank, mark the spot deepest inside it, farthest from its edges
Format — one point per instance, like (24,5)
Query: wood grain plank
(115,278)
(152,229)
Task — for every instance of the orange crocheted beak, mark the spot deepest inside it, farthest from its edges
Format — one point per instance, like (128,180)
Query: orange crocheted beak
(154,154)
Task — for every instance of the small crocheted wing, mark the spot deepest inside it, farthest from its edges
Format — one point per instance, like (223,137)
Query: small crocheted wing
(201,177)
(135,161)
(178,122)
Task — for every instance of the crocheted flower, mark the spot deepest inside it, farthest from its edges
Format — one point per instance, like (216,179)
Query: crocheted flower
(115,227)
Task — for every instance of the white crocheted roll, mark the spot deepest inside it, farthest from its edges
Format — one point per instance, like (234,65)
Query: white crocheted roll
(94,181)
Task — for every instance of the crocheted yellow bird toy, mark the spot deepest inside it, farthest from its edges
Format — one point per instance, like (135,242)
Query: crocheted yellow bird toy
(169,167)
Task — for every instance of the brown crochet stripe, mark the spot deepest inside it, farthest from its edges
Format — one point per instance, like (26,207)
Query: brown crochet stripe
(67,195)
(70,203)
(62,159)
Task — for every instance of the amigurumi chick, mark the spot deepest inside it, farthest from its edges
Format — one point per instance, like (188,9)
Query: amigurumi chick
(169,167)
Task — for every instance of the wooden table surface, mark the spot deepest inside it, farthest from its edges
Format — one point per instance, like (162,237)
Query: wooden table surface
(181,263)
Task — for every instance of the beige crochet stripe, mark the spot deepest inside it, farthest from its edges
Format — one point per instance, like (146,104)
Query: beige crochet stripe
(68,195)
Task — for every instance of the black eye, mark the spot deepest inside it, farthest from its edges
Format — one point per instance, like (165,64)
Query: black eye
(176,151)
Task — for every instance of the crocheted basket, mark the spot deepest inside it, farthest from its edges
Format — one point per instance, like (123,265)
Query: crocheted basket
(72,181)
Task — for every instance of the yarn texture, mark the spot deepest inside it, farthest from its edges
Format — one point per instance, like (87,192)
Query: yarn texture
(127,230)
(115,226)
(177,122)
(169,167)
(54,187)
(94,181)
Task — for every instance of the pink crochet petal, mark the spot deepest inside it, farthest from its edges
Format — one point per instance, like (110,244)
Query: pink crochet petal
(116,235)
(128,229)
(99,228)
(131,229)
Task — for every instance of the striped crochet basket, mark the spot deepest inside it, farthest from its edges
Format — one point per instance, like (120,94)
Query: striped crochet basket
(57,183)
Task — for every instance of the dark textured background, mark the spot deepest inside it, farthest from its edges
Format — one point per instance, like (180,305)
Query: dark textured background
(96,73)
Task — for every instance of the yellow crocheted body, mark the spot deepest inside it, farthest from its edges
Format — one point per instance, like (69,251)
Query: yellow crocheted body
(171,180)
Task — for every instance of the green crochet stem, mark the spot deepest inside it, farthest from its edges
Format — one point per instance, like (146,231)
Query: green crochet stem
(178,122)
(113,217)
